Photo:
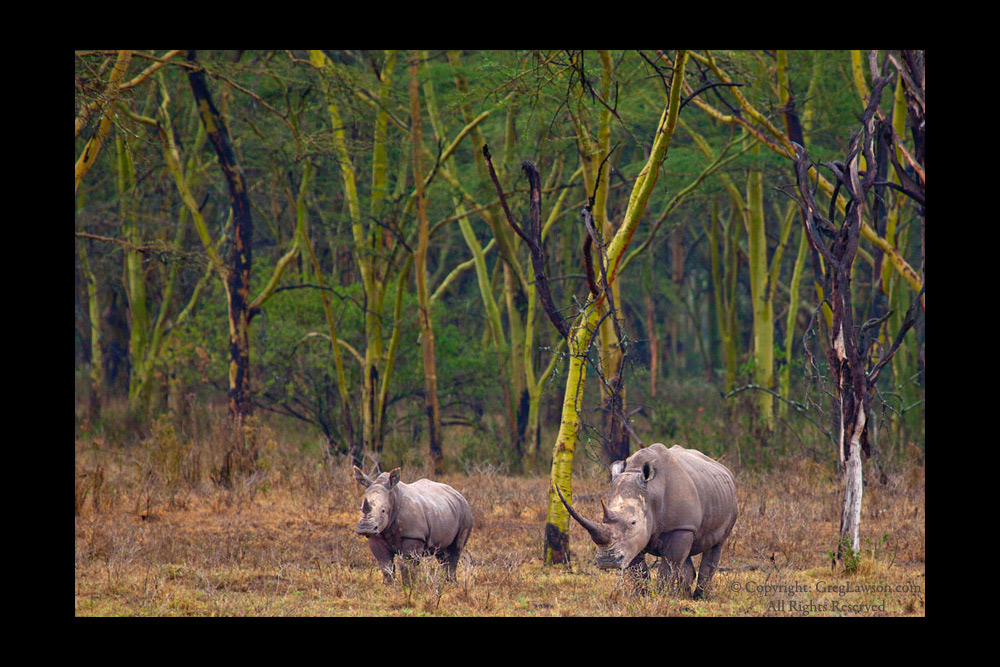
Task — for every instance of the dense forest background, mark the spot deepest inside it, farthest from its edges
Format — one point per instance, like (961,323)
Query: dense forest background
(324,142)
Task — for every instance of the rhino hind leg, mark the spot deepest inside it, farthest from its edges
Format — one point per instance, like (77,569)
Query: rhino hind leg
(709,562)
(449,558)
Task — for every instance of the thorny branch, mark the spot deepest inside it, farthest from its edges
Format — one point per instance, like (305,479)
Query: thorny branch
(802,408)
(850,352)
(163,252)
(594,237)
(533,238)
(908,321)
(704,87)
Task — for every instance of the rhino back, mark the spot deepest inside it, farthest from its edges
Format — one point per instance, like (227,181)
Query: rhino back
(433,512)
(716,491)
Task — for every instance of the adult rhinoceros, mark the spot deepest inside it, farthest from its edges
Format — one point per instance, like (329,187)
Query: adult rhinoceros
(412,520)
(675,503)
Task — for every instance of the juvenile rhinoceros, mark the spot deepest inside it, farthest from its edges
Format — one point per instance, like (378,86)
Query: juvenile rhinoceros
(675,503)
(412,520)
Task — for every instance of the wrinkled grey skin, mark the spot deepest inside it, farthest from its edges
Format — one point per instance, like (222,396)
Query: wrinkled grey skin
(412,520)
(674,503)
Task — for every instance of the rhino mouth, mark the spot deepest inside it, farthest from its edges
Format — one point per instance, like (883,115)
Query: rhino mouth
(610,561)
(366,529)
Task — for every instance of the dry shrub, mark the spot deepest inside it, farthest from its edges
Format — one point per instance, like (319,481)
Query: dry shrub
(88,483)
(249,453)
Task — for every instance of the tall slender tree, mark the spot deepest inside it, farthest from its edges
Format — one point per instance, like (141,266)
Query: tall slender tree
(375,259)
(556,547)
(237,279)
(431,405)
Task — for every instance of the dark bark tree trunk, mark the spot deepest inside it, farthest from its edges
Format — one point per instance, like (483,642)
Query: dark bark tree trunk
(654,346)
(237,280)
(615,441)
(556,545)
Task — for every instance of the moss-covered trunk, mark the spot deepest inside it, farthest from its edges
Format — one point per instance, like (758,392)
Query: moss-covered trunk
(762,306)
(556,535)
(431,406)
(96,390)
(375,262)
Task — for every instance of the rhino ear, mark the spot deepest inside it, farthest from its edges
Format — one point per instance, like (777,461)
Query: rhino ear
(363,479)
(394,477)
(648,471)
(616,469)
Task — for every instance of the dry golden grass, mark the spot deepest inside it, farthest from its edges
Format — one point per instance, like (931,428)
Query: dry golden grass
(156,537)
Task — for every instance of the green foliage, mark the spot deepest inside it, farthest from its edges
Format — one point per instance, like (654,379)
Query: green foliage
(850,558)
(665,424)
(277,117)
(296,367)
(484,448)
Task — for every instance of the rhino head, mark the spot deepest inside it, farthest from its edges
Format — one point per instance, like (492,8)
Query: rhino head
(378,509)
(628,522)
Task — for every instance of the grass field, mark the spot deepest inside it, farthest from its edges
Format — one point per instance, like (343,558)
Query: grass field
(154,536)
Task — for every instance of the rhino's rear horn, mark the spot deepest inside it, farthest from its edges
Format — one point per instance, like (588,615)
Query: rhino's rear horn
(600,534)
(610,516)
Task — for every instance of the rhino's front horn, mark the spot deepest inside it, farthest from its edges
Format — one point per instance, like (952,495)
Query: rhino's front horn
(600,534)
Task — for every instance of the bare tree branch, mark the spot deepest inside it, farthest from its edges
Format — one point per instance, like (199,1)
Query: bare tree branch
(533,238)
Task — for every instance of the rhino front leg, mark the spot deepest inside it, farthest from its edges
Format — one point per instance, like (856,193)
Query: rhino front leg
(636,575)
(412,550)
(676,568)
(406,569)
(686,575)
(384,556)
(709,562)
